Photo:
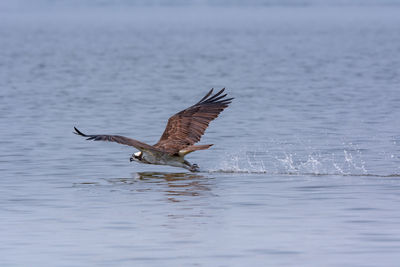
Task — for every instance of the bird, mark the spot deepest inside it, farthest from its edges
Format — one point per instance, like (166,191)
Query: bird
(183,131)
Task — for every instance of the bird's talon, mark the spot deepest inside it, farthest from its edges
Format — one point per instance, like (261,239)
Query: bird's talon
(194,168)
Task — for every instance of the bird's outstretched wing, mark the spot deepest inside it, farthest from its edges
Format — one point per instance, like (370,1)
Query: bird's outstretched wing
(186,127)
(118,139)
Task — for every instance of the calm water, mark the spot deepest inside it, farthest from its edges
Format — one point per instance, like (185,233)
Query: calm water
(305,170)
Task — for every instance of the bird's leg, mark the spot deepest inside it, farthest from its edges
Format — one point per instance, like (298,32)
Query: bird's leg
(191,167)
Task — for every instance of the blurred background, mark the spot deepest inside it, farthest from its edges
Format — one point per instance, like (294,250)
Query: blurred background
(306,159)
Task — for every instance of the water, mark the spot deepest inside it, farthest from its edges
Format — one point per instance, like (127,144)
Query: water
(304,171)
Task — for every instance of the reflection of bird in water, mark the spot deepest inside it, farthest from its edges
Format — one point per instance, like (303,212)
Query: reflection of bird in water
(167,176)
(178,184)
(183,130)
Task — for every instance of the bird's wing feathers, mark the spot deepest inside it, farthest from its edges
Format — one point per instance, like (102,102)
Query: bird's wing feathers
(186,127)
(119,139)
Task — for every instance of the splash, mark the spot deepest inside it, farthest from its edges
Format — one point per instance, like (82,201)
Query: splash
(348,161)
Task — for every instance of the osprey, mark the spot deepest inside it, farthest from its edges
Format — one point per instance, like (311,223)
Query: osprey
(183,130)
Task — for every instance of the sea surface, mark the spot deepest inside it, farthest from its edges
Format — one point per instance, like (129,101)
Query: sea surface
(305,167)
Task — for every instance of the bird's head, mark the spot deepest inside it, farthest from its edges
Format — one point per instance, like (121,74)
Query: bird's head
(136,157)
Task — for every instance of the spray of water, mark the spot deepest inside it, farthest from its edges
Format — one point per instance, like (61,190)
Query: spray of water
(348,161)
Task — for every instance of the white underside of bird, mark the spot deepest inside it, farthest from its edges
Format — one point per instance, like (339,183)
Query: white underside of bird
(163,159)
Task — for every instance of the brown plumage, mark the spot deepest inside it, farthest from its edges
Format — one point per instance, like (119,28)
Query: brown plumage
(183,130)
(186,127)
(118,139)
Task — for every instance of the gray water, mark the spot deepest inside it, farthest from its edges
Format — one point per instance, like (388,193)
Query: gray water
(305,170)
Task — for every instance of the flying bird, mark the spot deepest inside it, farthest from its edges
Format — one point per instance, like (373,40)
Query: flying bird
(183,130)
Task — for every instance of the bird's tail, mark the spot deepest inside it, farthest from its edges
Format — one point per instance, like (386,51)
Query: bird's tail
(190,149)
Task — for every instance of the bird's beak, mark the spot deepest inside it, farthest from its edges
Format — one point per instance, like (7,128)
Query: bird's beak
(130,159)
